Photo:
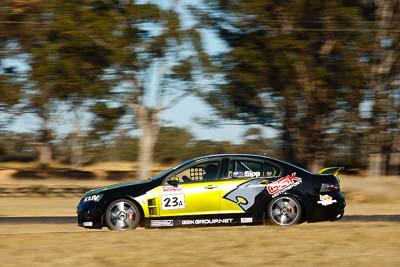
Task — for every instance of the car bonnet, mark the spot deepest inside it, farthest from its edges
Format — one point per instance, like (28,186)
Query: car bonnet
(113,186)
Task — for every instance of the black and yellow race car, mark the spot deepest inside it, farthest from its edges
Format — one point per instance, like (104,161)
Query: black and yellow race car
(227,189)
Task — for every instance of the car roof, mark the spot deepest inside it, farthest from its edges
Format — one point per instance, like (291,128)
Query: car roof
(245,155)
(231,155)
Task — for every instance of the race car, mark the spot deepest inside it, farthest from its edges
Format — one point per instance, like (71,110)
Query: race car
(226,189)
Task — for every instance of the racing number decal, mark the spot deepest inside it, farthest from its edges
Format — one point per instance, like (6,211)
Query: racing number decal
(172,202)
(172,198)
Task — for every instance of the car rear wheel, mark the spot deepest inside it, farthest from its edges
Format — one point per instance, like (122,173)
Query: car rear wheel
(122,214)
(284,211)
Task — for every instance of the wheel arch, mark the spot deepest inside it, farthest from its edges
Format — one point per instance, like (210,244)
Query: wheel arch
(130,198)
(142,219)
(303,201)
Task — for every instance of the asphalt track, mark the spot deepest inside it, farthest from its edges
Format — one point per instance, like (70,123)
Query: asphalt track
(73,219)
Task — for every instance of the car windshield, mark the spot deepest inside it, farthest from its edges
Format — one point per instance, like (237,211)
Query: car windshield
(158,176)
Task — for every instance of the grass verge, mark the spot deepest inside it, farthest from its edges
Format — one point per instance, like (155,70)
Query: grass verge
(341,244)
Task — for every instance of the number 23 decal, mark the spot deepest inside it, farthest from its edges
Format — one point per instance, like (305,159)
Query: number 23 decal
(171,202)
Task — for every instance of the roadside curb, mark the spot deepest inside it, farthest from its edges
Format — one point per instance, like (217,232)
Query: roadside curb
(54,191)
(39,220)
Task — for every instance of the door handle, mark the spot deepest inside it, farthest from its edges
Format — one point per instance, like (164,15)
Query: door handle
(210,186)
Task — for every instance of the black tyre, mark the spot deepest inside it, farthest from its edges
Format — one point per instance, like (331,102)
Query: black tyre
(284,211)
(122,214)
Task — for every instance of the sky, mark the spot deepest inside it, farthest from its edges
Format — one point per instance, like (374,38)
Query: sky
(180,114)
(183,113)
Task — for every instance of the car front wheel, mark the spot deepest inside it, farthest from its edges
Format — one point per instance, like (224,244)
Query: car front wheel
(284,211)
(122,214)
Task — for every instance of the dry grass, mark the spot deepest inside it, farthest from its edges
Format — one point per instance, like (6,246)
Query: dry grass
(341,244)
(38,206)
(372,189)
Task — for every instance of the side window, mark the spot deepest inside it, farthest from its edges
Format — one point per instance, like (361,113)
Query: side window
(205,171)
(251,169)
(245,169)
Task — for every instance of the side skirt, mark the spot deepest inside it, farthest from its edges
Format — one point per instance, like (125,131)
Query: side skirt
(202,220)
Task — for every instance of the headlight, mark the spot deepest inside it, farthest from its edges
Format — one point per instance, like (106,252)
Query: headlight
(94,198)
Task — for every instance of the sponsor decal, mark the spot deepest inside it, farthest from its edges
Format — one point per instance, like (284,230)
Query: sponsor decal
(95,198)
(252,174)
(237,174)
(246,174)
(87,223)
(245,194)
(171,190)
(206,221)
(246,220)
(283,184)
(161,223)
(326,200)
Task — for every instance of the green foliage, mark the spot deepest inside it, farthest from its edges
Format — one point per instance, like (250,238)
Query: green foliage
(173,143)
(80,51)
(289,68)
(302,67)
(72,51)
(17,147)
(106,118)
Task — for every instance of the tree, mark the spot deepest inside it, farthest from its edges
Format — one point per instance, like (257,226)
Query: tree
(15,27)
(86,53)
(173,145)
(17,20)
(153,60)
(256,143)
(290,67)
(69,44)
(381,66)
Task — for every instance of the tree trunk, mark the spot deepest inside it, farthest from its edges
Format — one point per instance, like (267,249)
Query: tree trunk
(45,147)
(288,146)
(146,148)
(288,132)
(317,162)
(148,125)
(312,127)
(45,154)
(375,164)
(76,151)
(395,163)
(379,79)
(395,156)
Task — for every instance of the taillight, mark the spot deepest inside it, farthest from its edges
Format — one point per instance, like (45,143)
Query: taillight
(329,188)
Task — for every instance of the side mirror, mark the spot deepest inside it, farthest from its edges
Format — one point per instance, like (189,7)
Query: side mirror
(174,181)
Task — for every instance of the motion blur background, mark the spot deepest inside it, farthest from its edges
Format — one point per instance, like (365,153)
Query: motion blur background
(315,83)
(94,91)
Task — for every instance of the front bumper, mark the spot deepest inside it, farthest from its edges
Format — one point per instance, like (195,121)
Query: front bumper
(89,215)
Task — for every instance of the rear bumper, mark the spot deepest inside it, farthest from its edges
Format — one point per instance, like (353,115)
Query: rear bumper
(340,208)
(332,212)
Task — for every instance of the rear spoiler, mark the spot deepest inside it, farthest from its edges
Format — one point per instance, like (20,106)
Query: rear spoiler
(330,170)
